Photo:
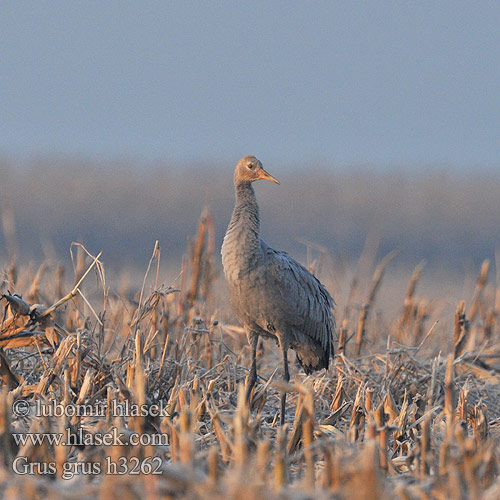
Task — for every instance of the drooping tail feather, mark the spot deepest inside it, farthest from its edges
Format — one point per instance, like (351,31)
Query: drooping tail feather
(312,356)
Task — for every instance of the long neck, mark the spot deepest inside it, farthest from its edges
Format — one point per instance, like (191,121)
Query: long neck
(242,237)
(246,210)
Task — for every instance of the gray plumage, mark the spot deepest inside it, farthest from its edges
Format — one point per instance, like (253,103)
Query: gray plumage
(272,294)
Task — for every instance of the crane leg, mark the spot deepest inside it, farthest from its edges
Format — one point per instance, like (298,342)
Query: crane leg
(286,378)
(252,376)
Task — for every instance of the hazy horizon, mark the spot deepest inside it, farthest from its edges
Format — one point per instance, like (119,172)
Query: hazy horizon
(438,215)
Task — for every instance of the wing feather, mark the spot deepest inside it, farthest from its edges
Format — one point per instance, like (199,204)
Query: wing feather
(306,302)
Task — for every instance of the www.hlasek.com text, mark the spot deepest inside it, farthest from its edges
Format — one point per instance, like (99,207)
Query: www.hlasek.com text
(85,438)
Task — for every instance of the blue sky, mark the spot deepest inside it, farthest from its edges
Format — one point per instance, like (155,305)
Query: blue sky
(337,83)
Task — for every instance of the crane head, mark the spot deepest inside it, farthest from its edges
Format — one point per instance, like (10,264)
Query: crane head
(249,169)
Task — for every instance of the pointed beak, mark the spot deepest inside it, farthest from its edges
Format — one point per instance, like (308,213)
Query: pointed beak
(268,177)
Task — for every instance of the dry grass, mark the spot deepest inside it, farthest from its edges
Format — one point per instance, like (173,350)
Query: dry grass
(409,408)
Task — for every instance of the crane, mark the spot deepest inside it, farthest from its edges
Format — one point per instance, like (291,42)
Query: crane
(272,294)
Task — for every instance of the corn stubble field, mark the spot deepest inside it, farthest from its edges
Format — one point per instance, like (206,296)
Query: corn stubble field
(408,409)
